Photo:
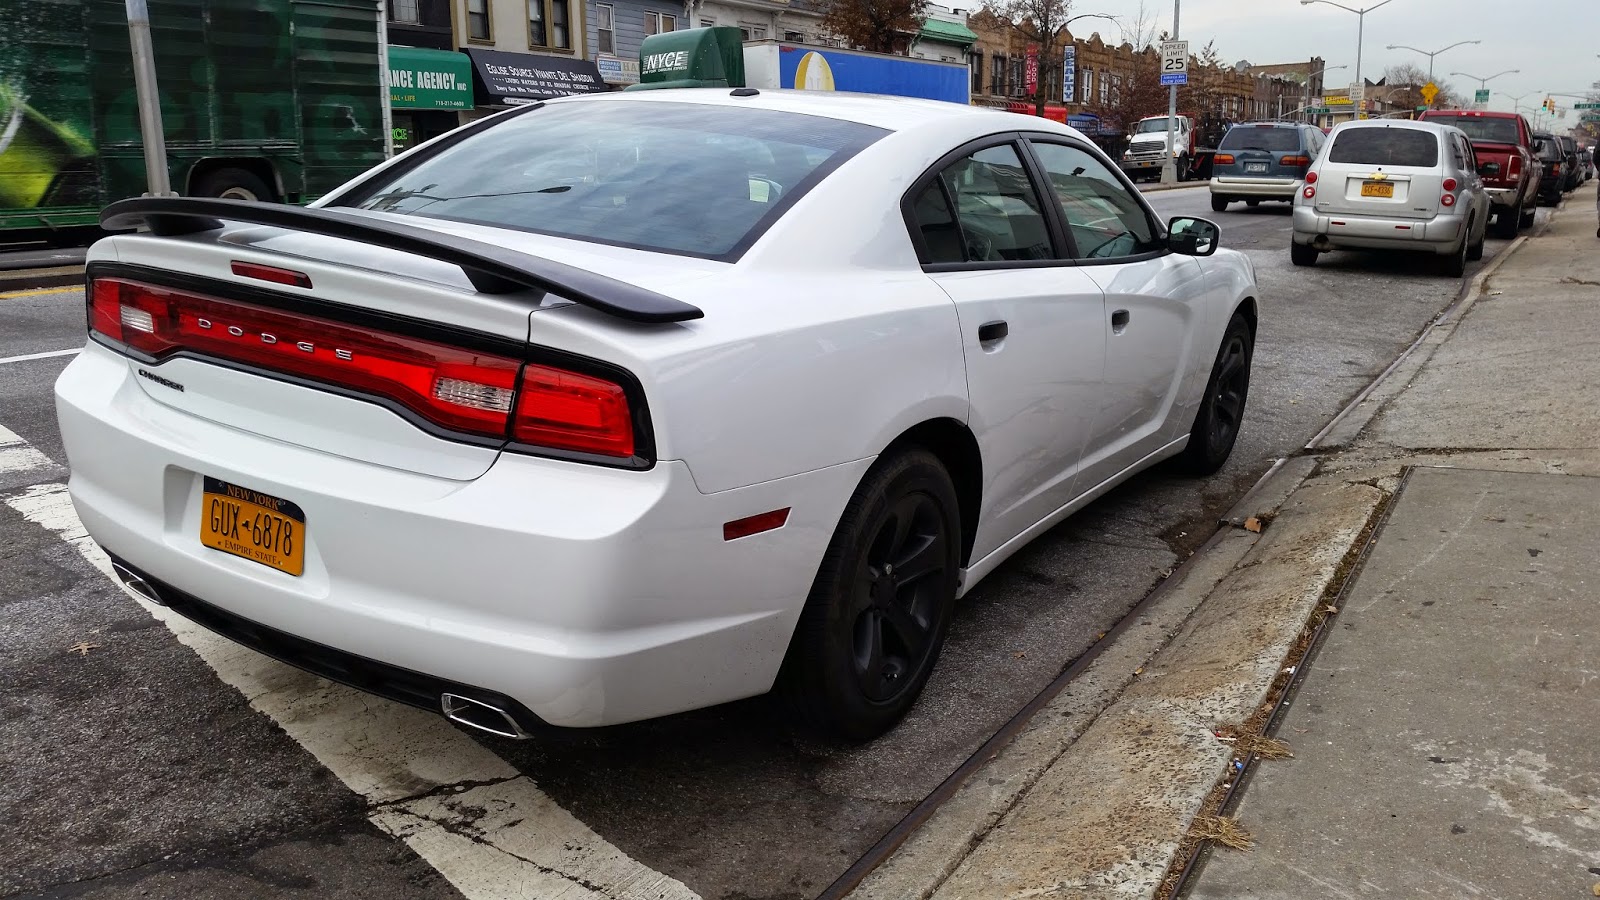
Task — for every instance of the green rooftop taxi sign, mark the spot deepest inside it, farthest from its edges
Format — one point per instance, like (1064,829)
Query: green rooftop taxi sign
(696,57)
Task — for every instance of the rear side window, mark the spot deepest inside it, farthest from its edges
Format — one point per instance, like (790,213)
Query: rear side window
(1480,128)
(1261,137)
(997,215)
(1386,147)
(670,177)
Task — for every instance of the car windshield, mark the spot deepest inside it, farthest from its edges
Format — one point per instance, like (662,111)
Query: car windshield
(679,178)
(1151,126)
(1480,128)
(1386,147)
(1260,137)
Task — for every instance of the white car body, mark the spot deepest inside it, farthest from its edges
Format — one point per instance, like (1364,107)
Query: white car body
(590,595)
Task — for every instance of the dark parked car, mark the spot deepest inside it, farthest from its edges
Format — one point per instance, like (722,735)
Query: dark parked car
(1259,161)
(1507,160)
(1553,168)
(1574,176)
(1586,163)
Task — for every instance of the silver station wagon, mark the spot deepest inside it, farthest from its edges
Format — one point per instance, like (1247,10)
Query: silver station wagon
(1393,185)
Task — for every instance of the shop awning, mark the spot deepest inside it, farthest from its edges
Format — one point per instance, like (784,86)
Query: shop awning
(947,33)
(511,79)
(429,79)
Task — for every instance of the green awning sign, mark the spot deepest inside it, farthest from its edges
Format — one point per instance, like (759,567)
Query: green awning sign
(429,79)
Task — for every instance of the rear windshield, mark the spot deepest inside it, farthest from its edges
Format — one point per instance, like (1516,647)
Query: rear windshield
(673,177)
(1261,137)
(1500,131)
(1386,147)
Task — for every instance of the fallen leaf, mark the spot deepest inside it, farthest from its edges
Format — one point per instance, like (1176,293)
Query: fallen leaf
(1139,671)
(1019,654)
(82,648)
(1332,609)
(1252,524)
(1595,890)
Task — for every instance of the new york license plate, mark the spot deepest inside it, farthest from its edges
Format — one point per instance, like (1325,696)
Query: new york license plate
(258,527)
(1255,168)
(1377,189)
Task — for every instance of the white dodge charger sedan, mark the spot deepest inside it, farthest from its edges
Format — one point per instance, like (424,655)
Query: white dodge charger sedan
(612,407)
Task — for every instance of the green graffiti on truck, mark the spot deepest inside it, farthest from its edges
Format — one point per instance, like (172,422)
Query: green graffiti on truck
(281,97)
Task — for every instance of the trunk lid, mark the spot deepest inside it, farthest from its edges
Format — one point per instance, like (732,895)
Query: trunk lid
(386,296)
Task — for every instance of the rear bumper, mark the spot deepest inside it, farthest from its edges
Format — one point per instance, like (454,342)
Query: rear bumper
(587,596)
(1503,198)
(1438,235)
(1255,188)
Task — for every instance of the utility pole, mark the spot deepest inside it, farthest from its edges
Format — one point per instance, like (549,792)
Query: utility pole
(1169,168)
(149,98)
(383,78)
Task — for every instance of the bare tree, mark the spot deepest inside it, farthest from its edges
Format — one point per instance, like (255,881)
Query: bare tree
(1140,93)
(881,26)
(1043,23)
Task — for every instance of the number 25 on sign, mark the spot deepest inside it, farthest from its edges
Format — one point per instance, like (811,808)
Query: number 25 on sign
(1174,57)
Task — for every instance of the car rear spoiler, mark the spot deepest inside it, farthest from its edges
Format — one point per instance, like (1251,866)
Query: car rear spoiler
(490,268)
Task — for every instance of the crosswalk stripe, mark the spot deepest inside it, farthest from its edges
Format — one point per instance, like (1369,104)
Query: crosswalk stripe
(497,837)
(46,355)
(17,456)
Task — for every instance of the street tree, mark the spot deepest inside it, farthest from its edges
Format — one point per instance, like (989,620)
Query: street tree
(880,26)
(1206,88)
(1402,86)
(1140,93)
(1043,23)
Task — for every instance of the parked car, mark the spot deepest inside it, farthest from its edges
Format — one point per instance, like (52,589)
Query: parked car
(1553,166)
(747,399)
(1263,161)
(1503,145)
(1393,185)
(1574,175)
(1586,162)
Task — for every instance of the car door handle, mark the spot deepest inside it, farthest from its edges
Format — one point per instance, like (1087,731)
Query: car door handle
(1119,321)
(989,332)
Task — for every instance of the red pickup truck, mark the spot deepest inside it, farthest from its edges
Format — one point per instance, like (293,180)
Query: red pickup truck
(1504,145)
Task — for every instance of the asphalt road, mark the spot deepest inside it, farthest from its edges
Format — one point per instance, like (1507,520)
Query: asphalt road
(135,770)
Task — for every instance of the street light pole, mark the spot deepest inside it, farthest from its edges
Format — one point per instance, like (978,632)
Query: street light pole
(1309,77)
(1361,33)
(149,100)
(1429,55)
(1169,168)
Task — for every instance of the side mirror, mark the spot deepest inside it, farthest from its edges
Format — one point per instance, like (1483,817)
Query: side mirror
(1490,169)
(1193,237)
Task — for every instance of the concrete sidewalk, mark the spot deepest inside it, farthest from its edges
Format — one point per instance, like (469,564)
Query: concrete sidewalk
(1444,742)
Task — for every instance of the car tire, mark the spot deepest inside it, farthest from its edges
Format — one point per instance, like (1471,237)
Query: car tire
(1507,223)
(1219,204)
(233,184)
(1216,423)
(868,637)
(1252,203)
(1455,265)
(1525,220)
(1475,249)
(1302,254)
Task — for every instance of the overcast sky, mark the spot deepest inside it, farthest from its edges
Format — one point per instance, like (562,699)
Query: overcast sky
(1553,42)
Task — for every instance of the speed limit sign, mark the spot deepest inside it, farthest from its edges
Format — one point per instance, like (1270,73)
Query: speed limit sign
(1174,62)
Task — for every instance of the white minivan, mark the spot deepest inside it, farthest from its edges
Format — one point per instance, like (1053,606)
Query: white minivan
(1393,185)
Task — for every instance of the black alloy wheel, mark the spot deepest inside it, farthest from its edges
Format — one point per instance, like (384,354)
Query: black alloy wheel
(1217,423)
(877,615)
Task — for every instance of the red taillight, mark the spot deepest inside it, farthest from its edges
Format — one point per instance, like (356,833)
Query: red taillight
(568,411)
(454,388)
(1222,159)
(1297,161)
(1450,184)
(1448,200)
(272,274)
(1311,178)
(1309,192)
(1514,169)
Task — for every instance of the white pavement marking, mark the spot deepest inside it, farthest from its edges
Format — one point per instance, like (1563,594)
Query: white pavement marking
(496,836)
(47,355)
(17,456)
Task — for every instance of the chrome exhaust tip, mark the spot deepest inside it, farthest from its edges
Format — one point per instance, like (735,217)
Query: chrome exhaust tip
(137,586)
(481,716)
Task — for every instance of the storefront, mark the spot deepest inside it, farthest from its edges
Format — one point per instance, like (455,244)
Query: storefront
(427,91)
(502,79)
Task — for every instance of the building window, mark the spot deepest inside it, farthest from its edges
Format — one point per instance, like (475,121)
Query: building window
(708,23)
(997,76)
(478,20)
(976,65)
(549,25)
(1105,90)
(753,32)
(403,12)
(1088,85)
(659,23)
(1116,89)
(1018,85)
(605,17)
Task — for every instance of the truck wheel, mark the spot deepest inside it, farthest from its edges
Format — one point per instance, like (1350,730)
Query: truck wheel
(233,184)
(1505,224)
(1183,169)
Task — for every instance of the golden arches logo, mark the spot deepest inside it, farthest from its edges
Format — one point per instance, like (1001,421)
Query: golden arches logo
(813,73)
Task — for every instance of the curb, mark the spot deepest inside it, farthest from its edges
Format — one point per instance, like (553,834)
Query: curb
(57,276)
(1158,188)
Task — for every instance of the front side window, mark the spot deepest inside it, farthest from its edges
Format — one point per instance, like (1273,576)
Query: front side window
(996,214)
(1386,146)
(1104,219)
(668,177)
(478,20)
